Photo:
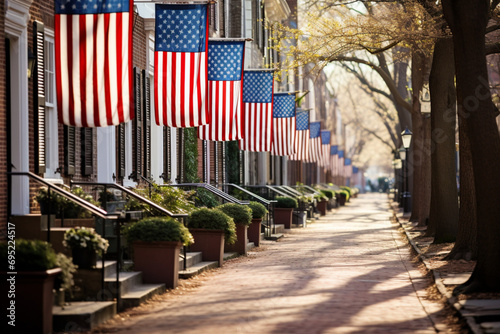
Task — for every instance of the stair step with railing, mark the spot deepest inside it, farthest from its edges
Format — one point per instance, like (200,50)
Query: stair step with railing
(278,228)
(192,258)
(127,280)
(197,269)
(138,294)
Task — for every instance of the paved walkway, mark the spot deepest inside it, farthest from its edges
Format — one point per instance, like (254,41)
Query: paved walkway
(348,272)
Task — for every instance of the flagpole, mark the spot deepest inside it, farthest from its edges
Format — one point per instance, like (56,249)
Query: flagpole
(230,39)
(259,69)
(179,2)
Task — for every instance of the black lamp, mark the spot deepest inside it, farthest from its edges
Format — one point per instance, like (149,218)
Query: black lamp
(31,63)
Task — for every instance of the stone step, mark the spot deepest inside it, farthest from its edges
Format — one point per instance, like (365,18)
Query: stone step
(127,281)
(250,245)
(278,228)
(197,269)
(192,259)
(109,267)
(82,316)
(138,294)
(230,255)
(275,236)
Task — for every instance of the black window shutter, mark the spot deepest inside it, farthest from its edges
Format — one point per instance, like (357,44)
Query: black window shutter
(137,133)
(39,97)
(69,150)
(147,124)
(167,160)
(87,151)
(121,151)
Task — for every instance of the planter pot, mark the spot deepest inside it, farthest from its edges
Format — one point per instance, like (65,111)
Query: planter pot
(84,258)
(283,216)
(254,231)
(322,207)
(210,243)
(158,261)
(240,246)
(32,310)
(342,199)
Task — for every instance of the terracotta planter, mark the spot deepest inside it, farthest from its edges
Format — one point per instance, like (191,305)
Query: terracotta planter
(322,207)
(34,299)
(240,246)
(283,216)
(158,261)
(210,243)
(84,258)
(254,231)
(342,199)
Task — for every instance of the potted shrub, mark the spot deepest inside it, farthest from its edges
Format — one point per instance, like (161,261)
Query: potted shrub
(330,195)
(210,227)
(341,197)
(29,292)
(85,245)
(242,217)
(156,243)
(283,211)
(322,200)
(254,230)
(300,213)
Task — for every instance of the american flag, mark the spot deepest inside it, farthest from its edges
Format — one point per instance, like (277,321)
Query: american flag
(333,158)
(258,111)
(325,148)
(283,124)
(315,142)
(180,74)
(301,136)
(93,56)
(340,163)
(348,167)
(225,91)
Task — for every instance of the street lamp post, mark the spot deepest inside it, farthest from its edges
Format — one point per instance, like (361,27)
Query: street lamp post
(406,137)
(402,158)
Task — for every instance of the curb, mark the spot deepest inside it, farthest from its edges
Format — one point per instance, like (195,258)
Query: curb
(436,277)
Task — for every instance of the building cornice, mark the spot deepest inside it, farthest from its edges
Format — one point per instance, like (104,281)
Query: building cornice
(17,16)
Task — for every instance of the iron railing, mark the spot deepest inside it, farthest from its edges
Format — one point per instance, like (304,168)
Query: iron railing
(216,191)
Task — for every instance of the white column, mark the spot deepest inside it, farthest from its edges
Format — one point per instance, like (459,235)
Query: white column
(106,154)
(16,21)
(128,156)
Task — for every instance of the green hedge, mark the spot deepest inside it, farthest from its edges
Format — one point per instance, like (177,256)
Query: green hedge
(213,219)
(258,210)
(241,214)
(158,229)
(286,202)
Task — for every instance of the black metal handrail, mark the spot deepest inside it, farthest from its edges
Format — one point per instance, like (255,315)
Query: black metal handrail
(287,192)
(70,196)
(262,200)
(216,191)
(291,190)
(133,194)
(308,189)
(269,189)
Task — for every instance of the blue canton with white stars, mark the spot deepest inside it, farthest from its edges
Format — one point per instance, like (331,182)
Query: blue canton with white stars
(283,105)
(315,129)
(302,120)
(180,28)
(325,137)
(225,60)
(91,6)
(341,154)
(347,161)
(334,149)
(257,87)
(355,170)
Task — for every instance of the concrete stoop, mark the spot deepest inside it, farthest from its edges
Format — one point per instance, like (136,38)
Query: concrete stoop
(82,316)
(482,316)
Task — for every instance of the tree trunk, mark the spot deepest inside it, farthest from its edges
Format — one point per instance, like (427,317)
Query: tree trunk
(468,20)
(444,195)
(465,246)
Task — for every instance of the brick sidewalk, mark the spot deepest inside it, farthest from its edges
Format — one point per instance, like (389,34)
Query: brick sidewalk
(349,272)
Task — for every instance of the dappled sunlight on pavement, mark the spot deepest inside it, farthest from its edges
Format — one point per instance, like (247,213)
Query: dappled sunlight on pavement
(348,272)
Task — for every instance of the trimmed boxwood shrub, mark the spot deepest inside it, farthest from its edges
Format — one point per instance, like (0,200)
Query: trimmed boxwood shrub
(213,219)
(327,193)
(258,210)
(241,214)
(158,229)
(31,255)
(286,202)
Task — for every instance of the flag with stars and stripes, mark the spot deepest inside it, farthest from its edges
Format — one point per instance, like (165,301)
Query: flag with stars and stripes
(181,65)
(325,148)
(348,167)
(93,59)
(283,124)
(301,136)
(315,142)
(340,163)
(225,91)
(333,159)
(256,122)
